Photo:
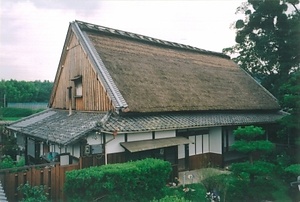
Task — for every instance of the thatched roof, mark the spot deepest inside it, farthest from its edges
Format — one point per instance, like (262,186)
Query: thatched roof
(156,77)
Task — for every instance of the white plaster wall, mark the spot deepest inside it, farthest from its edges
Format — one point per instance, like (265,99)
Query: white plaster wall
(206,143)
(192,146)
(198,144)
(76,150)
(215,135)
(181,153)
(69,149)
(30,147)
(54,148)
(41,149)
(165,134)
(114,145)
(94,138)
(138,136)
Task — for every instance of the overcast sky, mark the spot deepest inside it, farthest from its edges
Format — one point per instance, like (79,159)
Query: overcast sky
(33,31)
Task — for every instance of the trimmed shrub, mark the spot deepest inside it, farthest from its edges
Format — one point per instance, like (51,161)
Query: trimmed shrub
(293,169)
(132,181)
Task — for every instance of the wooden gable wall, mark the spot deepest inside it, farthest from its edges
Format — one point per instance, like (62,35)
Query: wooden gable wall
(77,63)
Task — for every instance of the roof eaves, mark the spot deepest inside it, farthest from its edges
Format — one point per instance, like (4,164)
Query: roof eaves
(60,66)
(163,122)
(104,76)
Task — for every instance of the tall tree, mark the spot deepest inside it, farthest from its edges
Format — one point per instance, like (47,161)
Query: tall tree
(268,42)
(290,92)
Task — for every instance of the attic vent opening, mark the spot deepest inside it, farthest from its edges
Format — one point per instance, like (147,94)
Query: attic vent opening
(78,85)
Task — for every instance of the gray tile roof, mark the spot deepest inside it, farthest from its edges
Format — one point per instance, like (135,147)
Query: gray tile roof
(186,120)
(57,126)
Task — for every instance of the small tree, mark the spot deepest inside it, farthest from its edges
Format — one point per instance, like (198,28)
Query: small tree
(248,142)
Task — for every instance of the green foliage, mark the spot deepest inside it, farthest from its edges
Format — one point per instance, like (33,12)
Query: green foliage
(227,185)
(17,112)
(258,168)
(248,133)
(33,193)
(247,147)
(213,182)
(25,91)
(171,199)
(190,192)
(8,162)
(21,162)
(268,41)
(238,188)
(291,175)
(280,159)
(248,142)
(129,181)
(293,169)
(291,103)
(9,147)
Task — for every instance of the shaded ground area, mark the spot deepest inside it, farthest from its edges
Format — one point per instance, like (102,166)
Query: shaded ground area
(195,176)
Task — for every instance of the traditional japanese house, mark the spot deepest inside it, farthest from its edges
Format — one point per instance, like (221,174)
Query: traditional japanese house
(124,96)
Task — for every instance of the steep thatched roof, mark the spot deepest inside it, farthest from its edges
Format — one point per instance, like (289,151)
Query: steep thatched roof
(155,77)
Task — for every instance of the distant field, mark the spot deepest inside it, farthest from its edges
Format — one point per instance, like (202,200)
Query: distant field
(11,118)
(28,105)
(13,114)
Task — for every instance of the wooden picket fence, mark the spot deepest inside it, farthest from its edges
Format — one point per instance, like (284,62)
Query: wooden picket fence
(51,176)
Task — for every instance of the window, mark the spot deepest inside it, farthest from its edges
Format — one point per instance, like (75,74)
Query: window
(78,85)
(78,89)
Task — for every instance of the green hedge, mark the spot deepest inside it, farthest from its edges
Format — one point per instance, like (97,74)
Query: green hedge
(16,112)
(132,181)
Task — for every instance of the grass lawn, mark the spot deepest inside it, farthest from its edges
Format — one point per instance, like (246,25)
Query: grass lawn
(10,118)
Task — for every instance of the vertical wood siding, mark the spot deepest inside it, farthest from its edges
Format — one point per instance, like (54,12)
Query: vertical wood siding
(51,177)
(94,95)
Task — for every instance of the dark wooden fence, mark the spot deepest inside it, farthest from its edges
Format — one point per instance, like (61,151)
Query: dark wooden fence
(51,176)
